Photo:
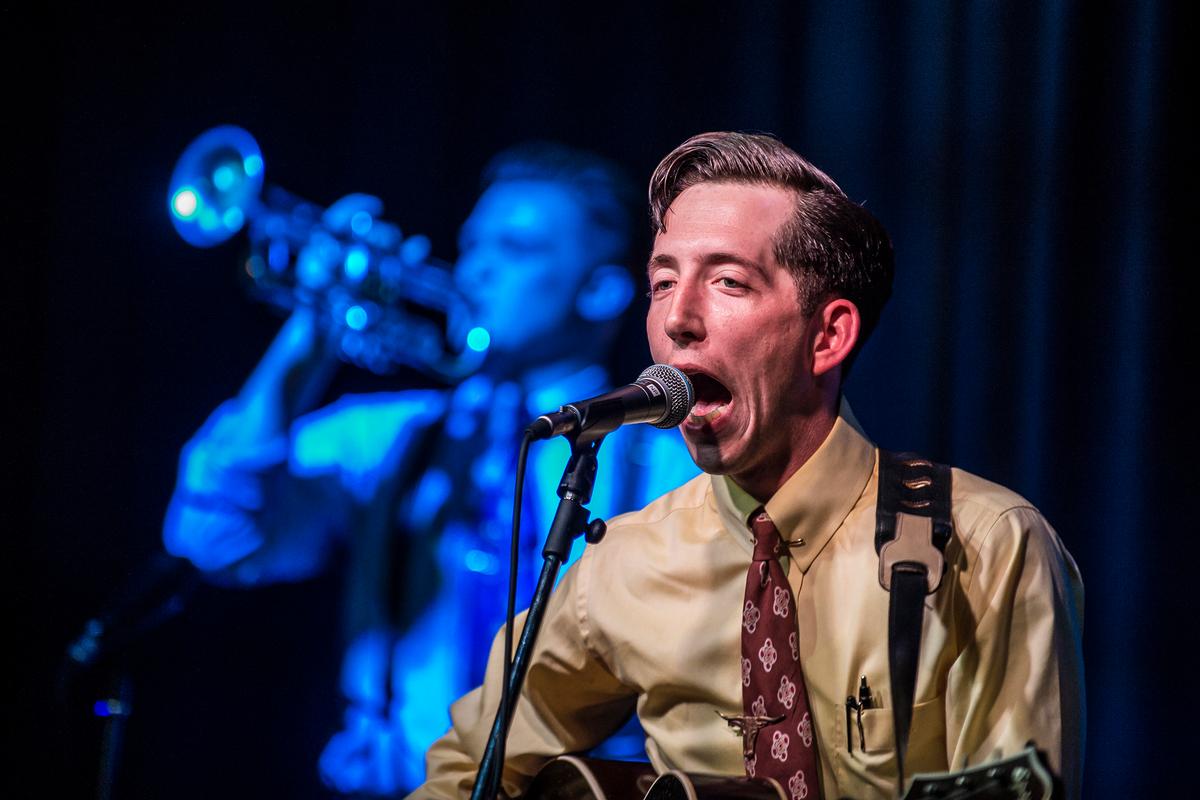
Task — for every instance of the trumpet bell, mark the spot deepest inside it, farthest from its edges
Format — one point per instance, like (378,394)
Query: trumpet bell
(215,186)
(384,302)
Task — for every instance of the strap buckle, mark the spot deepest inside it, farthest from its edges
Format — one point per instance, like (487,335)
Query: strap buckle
(912,550)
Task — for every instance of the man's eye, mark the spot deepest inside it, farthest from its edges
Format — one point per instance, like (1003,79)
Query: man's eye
(661,286)
(731,283)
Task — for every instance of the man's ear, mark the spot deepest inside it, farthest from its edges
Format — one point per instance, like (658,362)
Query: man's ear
(835,328)
(605,294)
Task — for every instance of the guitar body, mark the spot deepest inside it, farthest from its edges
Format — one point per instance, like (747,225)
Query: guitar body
(676,785)
(1023,776)
(575,778)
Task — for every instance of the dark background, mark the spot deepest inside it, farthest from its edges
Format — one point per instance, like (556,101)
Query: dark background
(1028,161)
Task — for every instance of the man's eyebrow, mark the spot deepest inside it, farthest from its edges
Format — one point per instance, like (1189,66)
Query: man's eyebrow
(710,260)
(660,260)
(714,259)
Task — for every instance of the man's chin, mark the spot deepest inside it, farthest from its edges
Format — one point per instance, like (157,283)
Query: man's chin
(708,456)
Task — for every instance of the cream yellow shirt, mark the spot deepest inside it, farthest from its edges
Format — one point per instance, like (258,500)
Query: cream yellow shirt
(652,616)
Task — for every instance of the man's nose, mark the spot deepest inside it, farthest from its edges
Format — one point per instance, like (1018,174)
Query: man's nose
(684,323)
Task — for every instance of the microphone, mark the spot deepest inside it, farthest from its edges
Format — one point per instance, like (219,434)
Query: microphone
(157,592)
(661,395)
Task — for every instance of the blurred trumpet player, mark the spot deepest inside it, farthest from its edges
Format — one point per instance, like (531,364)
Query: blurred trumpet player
(419,483)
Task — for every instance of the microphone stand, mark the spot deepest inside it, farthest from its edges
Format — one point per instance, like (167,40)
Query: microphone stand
(570,520)
(158,592)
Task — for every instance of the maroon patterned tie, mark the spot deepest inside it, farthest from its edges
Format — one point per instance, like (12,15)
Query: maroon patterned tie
(777,727)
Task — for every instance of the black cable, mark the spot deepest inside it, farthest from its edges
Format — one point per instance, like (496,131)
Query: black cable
(510,614)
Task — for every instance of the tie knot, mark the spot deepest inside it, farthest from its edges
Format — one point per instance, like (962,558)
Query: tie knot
(768,543)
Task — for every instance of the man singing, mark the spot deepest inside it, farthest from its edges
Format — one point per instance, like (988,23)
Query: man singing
(752,594)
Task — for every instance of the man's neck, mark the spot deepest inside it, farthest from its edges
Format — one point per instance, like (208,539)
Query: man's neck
(765,479)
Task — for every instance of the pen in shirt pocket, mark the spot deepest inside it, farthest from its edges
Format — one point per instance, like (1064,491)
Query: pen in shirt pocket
(857,705)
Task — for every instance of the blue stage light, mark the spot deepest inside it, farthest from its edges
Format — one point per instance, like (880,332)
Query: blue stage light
(312,270)
(356,317)
(208,219)
(185,202)
(356,263)
(479,339)
(479,561)
(253,165)
(224,177)
(109,708)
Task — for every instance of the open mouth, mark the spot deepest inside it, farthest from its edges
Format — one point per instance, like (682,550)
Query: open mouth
(712,399)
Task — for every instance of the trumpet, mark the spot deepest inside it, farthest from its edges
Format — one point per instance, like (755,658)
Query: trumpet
(383,301)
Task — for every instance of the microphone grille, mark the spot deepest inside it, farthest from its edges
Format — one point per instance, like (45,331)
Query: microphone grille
(676,388)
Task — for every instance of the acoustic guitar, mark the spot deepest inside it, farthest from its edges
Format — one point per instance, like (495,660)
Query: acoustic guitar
(1020,777)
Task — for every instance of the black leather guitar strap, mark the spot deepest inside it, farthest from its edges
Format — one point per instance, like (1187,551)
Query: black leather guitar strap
(912,528)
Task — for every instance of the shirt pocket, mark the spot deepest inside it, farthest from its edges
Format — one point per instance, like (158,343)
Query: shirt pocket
(873,767)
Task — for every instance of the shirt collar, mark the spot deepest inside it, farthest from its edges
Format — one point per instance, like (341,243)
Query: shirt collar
(812,504)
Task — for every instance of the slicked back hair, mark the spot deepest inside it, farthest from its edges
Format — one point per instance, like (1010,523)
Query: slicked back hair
(832,246)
